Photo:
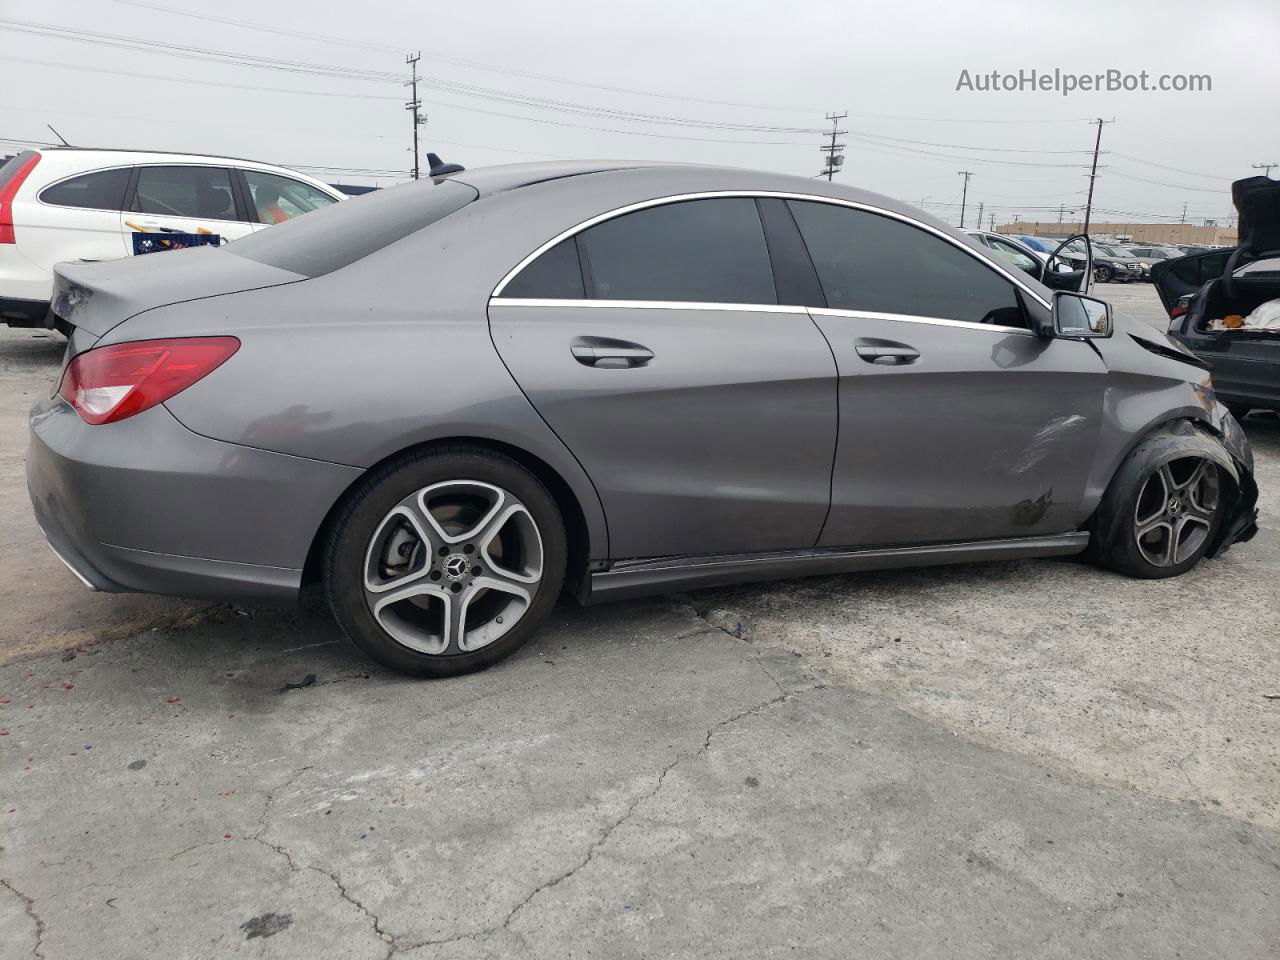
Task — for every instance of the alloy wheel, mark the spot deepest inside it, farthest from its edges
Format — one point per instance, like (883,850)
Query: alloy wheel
(1175,510)
(453,567)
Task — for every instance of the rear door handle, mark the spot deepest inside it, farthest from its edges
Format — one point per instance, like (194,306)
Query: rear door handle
(606,353)
(886,352)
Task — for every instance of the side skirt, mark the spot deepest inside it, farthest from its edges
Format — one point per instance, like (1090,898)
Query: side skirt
(638,578)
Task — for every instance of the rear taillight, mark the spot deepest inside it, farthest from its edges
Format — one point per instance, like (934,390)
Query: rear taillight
(111,383)
(8,192)
(1180,308)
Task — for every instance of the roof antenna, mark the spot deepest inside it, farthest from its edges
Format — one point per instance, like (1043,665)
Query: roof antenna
(441,169)
(58,135)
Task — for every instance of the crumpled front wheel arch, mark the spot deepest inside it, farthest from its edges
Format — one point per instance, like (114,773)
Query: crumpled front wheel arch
(1172,441)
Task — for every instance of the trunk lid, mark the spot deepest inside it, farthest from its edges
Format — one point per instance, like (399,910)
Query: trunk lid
(1175,279)
(1257,200)
(95,297)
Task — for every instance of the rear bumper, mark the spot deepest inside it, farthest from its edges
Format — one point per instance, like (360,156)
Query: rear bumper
(18,312)
(146,505)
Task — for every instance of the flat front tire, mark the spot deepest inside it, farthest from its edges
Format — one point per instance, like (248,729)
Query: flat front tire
(445,562)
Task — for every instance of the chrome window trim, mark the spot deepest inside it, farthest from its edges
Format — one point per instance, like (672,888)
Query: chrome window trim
(646,304)
(781,195)
(911,318)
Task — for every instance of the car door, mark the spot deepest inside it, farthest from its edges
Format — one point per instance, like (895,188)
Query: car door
(1073,280)
(174,201)
(76,218)
(956,422)
(704,411)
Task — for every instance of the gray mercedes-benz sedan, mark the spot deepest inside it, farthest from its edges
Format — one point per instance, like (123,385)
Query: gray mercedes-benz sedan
(449,401)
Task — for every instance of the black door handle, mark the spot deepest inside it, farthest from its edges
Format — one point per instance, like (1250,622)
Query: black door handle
(606,353)
(886,352)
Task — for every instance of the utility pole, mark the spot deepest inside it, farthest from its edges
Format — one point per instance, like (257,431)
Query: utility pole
(1093,173)
(414,105)
(1060,213)
(1183,218)
(993,223)
(980,205)
(835,159)
(1266,168)
(965,195)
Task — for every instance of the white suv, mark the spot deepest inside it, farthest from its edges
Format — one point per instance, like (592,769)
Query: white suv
(68,203)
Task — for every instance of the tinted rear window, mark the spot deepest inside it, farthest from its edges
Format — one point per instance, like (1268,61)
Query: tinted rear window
(103,190)
(338,235)
(555,275)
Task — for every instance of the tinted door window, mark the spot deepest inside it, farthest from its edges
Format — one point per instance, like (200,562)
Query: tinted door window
(710,251)
(277,199)
(878,264)
(556,275)
(103,190)
(201,193)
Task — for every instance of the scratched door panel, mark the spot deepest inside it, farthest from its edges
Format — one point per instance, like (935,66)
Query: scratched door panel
(989,433)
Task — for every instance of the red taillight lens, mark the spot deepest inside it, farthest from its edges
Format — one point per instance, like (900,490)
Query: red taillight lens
(111,383)
(8,192)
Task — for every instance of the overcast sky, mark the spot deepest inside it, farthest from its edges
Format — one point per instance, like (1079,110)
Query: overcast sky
(741,63)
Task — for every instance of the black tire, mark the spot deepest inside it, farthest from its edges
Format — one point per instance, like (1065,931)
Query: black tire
(1116,523)
(1103,274)
(365,512)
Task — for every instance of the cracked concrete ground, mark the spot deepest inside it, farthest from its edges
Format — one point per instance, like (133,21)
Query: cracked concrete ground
(1029,759)
(635,783)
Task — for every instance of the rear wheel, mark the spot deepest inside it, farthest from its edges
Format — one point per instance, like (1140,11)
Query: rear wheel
(446,562)
(1164,515)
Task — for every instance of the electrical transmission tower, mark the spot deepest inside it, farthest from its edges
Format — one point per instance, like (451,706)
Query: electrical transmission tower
(1266,168)
(414,105)
(835,159)
(965,196)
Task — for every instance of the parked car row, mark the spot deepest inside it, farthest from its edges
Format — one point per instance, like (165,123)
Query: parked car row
(76,204)
(1114,261)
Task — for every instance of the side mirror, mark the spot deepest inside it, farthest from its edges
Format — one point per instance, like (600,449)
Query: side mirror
(1077,316)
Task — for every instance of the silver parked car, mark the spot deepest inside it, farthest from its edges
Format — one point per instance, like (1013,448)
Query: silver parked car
(448,400)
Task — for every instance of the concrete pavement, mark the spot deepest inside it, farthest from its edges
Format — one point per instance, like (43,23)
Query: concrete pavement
(636,783)
(1032,759)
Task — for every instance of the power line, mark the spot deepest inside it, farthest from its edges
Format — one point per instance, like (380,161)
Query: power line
(474,64)
(1266,168)
(211,55)
(1161,183)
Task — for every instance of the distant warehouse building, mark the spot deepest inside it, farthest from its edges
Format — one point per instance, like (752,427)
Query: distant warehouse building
(1211,235)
